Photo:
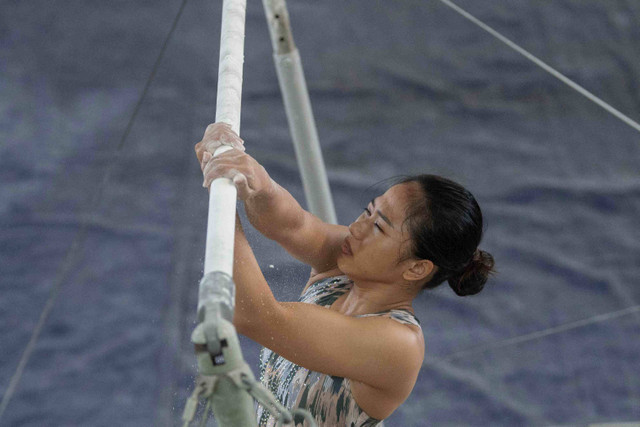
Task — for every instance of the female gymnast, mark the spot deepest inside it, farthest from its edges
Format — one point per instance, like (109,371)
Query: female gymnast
(351,349)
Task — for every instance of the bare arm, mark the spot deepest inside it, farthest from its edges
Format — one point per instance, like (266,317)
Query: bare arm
(278,216)
(376,351)
(271,209)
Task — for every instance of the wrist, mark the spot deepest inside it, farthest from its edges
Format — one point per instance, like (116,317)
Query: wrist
(265,196)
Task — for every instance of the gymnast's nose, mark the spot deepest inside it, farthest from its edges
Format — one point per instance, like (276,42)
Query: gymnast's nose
(357,228)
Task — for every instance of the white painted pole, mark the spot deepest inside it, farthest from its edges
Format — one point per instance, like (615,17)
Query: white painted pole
(216,342)
(223,194)
(299,113)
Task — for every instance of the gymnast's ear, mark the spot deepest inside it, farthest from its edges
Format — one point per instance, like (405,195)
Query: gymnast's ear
(418,269)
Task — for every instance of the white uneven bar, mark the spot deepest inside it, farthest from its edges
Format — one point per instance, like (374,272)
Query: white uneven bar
(223,194)
(299,113)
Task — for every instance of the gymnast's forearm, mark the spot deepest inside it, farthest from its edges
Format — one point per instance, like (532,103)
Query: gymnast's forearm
(254,298)
(275,213)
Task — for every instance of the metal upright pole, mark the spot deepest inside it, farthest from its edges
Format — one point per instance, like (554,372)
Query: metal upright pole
(299,113)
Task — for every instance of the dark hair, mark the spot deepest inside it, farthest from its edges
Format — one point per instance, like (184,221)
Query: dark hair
(445,226)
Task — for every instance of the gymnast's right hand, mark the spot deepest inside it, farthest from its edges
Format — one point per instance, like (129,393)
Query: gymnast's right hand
(250,178)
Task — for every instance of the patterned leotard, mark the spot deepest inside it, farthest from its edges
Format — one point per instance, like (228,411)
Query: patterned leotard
(328,398)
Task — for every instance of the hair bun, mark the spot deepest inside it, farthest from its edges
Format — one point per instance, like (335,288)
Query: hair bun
(471,280)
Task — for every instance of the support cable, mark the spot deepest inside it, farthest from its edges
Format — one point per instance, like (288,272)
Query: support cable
(601,103)
(74,253)
(539,334)
(566,80)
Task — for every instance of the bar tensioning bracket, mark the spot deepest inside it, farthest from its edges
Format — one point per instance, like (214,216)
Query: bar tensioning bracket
(279,27)
(216,296)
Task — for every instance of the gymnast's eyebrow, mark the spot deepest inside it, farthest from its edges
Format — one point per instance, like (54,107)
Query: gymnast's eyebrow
(373,202)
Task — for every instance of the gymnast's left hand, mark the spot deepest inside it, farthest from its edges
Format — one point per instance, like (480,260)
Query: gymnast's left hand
(215,136)
(250,178)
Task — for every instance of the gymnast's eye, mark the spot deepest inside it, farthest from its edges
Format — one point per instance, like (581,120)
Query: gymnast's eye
(367,212)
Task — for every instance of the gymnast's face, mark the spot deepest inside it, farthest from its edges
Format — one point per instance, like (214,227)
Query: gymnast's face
(376,248)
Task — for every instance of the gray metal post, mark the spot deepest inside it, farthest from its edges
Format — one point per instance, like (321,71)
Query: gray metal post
(299,113)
